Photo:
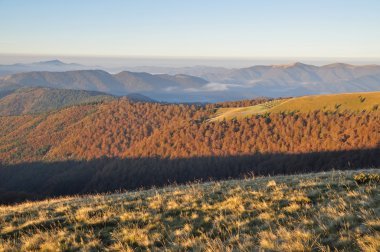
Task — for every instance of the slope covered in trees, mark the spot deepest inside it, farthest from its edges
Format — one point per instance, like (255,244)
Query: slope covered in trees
(39,100)
(125,129)
(122,144)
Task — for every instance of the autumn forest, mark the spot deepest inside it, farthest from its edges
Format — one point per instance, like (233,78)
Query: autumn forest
(119,144)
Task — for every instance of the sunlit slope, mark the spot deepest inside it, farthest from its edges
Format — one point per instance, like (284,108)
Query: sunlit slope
(124,129)
(335,211)
(241,112)
(335,102)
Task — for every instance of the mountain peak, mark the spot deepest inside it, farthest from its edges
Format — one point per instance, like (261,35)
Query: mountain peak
(338,64)
(51,62)
(299,64)
(294,64)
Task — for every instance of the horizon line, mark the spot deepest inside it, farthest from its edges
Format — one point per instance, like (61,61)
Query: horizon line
(183,56)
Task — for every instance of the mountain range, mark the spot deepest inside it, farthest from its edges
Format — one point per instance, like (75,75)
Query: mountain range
(287,80)
(50,65)
(203,83)
(119,84)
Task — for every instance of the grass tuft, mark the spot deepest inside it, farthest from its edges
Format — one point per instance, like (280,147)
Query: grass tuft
(334,211)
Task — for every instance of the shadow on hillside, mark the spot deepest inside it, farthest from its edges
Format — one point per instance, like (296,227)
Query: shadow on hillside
(37,180)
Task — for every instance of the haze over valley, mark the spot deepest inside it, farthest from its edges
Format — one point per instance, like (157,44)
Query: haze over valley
(198,83)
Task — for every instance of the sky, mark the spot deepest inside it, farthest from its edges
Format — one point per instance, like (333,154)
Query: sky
(191,29)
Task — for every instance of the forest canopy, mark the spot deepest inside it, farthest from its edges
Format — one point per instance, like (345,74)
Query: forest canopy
(121,144)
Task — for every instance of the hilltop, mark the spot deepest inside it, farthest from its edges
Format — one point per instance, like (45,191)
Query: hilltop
(335,102)
(40,100)
(324,211)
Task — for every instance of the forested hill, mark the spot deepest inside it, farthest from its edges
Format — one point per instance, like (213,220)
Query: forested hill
(145,144)
(121,128)
(40,100)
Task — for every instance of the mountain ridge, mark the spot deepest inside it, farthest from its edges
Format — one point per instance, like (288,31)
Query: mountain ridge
(99,80)
(211,84)
(48,65)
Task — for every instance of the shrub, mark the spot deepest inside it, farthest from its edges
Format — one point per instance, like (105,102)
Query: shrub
(364,178)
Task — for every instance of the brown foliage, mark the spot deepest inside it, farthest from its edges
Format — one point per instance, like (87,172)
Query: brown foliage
(124,129)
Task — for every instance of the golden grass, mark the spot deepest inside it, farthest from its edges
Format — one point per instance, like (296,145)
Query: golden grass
(241,112)
(313,212)
(333,102)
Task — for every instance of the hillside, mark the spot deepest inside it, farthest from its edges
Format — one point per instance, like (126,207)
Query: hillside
(336,102)
(40,100)
(334,211)
(120,144)
(121,128)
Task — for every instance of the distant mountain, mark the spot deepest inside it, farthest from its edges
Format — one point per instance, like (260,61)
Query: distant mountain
(208,84)
(285,80)
(93,80)
(38,100)
(296,73)
(51,65)
(98,80)
(137,82)
(54,63)
(302,79)
(192,70)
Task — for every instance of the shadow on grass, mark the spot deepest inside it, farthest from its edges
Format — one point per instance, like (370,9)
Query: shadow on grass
(38,180)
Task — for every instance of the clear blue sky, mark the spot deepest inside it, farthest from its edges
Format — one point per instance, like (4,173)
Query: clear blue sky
(193,28)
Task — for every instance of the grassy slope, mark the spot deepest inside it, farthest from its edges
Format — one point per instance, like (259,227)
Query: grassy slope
(323,212)
(352,101)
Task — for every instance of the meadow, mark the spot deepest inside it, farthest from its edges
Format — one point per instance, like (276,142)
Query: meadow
(312,212)
(369,101)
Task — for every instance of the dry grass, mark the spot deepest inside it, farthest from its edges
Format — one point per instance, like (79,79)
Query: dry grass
(313,212)
(333,102)
(241,112)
